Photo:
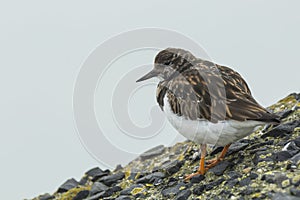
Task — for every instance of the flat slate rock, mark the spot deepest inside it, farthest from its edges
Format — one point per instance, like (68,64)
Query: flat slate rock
(127,191)
(245,181)
(111,179)
(98,187)
(172,167)
(66,186)
(197,179)
(281,156)
(81,195)
(295,192)
(46,197)
(282,130)
(220,167)
(123,198)
(199,190)
(183,195)
(213,184)
(283,196)
(236,147)
(152,152)
(172,191)
(151,178)
(97,173)
(297,141)
(296,158)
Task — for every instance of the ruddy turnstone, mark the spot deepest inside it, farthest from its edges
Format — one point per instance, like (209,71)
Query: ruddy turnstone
(205,102)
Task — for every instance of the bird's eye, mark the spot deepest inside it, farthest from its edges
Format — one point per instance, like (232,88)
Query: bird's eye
(167,62)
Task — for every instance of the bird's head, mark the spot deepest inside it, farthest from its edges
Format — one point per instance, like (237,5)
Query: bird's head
(169,61)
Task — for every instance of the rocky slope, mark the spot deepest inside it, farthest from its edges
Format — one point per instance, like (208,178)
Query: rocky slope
(265,165)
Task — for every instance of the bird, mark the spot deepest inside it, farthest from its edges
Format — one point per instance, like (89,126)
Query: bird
(207,103)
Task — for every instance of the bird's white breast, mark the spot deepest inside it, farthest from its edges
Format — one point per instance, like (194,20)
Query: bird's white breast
(205,132)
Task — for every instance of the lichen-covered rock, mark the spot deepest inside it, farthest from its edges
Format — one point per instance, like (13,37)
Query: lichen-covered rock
(264,165)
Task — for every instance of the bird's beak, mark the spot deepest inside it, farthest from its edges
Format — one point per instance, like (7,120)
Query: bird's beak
(150,74)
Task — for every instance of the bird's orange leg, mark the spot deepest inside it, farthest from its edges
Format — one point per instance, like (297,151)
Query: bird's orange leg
(201,169)
(215,161)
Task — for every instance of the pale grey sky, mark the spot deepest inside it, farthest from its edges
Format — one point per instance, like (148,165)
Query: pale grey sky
(44,43)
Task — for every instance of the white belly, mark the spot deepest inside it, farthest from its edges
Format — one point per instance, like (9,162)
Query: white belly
(205,132)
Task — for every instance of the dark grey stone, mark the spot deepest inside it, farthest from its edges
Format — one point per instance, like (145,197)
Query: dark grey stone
(172,167)
(123,198)
(232,183)
(236,147)
(96,196)
(111,179)
(98,187)
(281,156)
(97,173)
(118,167)
(295,192)
(268,178)
(233,174)
(283,196)
(134,173)
(245,181)
(297,141)
(295,159)
(157,181)
(220,168)
(213,184)
(81,195)
(183,195)
(247,191)
(197,179)
(83,180)
(253,175)
(199,190)
(46,197)
(282,130)
(292,148)
(66,186)
(284,114)
(172,191)
(115,189)
(258,159)
(151,177)
(279,178)
(172,181)
(127,191)
(152,152)
(216,150)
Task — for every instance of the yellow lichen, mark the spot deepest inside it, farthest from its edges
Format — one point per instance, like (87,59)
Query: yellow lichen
(137,175)
(182,188)
(127,173)
(137,190)
(285,183)
(69,195)
(256,195)
(295,179)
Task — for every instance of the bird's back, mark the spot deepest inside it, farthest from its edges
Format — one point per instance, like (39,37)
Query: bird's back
(211,92)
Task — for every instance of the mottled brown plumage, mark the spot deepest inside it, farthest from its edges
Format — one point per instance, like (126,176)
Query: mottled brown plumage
(200,89)
(206,102)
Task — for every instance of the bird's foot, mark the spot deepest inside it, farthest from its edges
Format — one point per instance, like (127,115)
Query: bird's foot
(213,163)
(199,172)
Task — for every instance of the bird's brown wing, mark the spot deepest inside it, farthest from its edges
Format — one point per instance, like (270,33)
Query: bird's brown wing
(214,93)
(240,103)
